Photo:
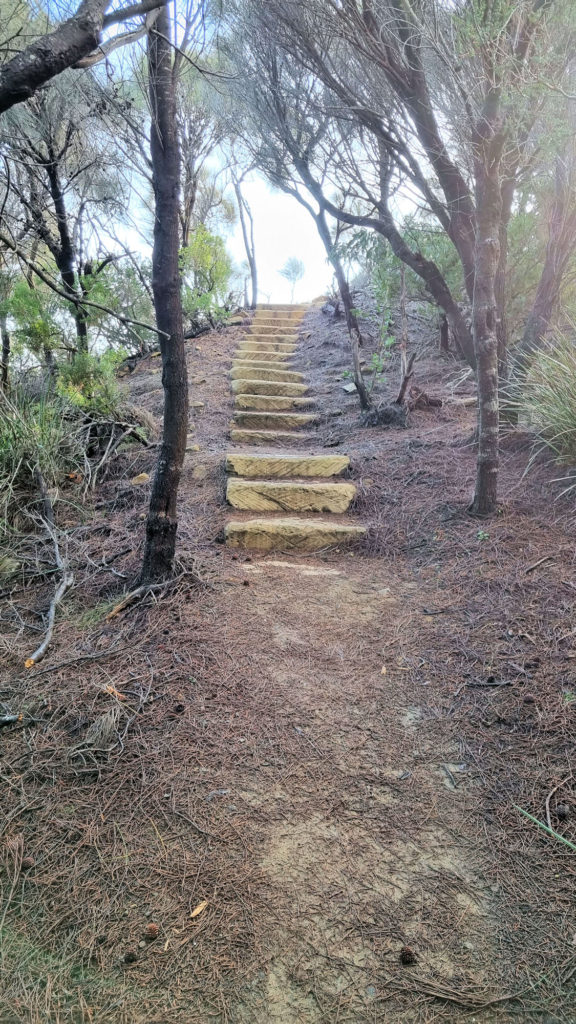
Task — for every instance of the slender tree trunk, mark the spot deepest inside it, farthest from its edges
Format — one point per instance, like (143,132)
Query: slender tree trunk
(484,317)
(247,225)
(352,324)
(5,365)
(508,189)
(162,521)
(65,255)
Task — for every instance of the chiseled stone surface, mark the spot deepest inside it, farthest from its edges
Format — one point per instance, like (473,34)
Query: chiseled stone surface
(271,403)
(289,534)
(272,420)
(270,331)
(263,354)
(265,364)
(267,437)
(246,386)
(280,466)
(289,495)
(243,370)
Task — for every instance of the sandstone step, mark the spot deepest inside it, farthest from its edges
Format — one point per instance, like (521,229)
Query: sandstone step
(273,330)
(271,403)
(241,371)
(269,437)
(289,534)
(270,355)
(299,307)
(286,465)
(262,364)
(289,496)
(273,420)
(247,386)
(265,316)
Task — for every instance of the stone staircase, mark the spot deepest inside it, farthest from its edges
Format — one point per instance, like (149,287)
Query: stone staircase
(272,409)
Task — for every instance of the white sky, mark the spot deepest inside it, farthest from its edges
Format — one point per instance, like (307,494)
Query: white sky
(282,228)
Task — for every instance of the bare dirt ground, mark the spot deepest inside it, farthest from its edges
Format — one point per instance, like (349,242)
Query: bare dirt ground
(299,767)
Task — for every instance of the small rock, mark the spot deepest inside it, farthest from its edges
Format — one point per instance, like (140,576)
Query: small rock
(197,405)
(142,944)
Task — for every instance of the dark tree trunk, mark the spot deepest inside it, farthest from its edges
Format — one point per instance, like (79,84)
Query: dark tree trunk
(65,255)
(5,364)
(52,54)
(444,334)
(484,317)
(351,319)
(164,147)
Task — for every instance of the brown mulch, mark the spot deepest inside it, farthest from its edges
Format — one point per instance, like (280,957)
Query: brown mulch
(325,755)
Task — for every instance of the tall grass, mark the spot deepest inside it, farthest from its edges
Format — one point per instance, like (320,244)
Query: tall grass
(35,436)
(548,399)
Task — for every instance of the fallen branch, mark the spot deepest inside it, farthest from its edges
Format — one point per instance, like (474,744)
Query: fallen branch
(551,794)
(67,577)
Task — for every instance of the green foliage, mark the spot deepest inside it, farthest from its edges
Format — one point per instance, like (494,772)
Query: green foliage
(34,436)
(89,384)
(206,271)
(549,398)
(39,317)
(121,286)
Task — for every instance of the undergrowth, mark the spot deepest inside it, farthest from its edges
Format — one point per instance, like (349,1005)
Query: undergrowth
(549,398)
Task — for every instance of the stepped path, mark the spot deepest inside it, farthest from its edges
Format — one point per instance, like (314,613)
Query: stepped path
(289,483)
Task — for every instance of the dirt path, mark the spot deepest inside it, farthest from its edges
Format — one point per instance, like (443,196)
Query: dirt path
(312,763)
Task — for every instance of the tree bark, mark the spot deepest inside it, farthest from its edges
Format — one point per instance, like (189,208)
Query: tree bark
(484,318)
(52,54)
(162,520)
(68,44)
(5,364)
(64,254)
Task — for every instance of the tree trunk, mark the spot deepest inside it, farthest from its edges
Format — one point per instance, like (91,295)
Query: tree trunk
(560,247)
(507,192)
(351,319)
(5,364)
(248,236)
(52,53)
(162,521)
(484,318)
(65,255)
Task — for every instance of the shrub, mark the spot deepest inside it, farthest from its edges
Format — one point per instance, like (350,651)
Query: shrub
(35,436)
(549,398)
(89,384)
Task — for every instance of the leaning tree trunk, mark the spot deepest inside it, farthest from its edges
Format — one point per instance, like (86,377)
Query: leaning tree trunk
(164,147)
(485,329)
(247,225)
(352,324)
(560,248)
